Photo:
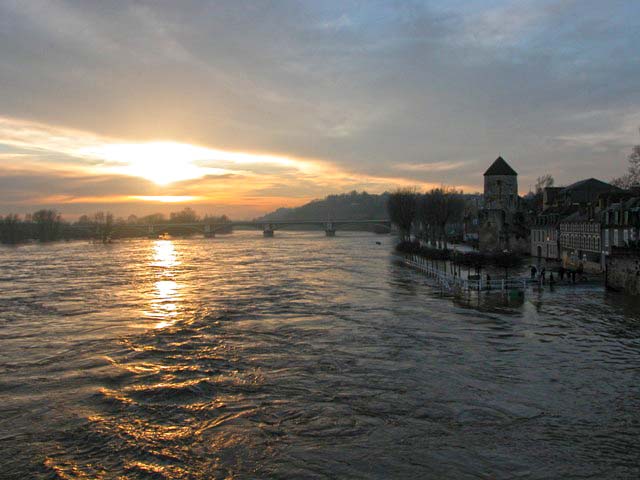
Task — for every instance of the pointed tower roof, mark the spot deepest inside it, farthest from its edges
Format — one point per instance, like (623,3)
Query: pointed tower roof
(500,167)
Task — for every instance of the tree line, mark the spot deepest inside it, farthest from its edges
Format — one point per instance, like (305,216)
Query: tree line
(47,225)
(476,261)
(426,215)
(44,225)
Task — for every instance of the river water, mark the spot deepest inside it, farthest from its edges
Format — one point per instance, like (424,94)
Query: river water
(302,356)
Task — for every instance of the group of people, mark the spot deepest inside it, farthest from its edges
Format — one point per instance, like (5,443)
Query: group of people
(541,275)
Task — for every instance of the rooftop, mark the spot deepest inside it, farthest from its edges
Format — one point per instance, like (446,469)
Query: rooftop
(500,167)
(577,217)
(591,184)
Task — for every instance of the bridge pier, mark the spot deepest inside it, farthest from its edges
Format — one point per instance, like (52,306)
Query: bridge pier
(209,232)
(267,230)
(329,229)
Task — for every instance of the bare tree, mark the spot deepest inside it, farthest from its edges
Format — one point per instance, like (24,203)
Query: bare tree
(154,218)
(48,223)
(438,208)
(10,231)
(186,215)
(402,207)
(103,223)
(535,200)
(427,218)
(83,220)
(632,177)
(544,181)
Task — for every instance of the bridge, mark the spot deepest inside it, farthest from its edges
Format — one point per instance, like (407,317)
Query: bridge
(268,227)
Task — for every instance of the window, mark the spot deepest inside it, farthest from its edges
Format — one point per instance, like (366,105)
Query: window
(606,238)
(615,237)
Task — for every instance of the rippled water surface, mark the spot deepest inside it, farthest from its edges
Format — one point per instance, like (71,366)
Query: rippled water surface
(302,357)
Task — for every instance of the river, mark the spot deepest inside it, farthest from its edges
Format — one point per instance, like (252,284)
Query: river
(302,356)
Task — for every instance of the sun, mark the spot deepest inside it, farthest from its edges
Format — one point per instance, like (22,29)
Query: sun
(165,162)
(160,162)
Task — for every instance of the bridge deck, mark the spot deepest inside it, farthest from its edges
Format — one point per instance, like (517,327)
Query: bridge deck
(206,227)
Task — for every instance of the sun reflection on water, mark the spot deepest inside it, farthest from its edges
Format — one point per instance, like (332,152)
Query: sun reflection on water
(164,254)
(166,295)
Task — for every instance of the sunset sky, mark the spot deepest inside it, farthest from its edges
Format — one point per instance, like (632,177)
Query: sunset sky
(240,107)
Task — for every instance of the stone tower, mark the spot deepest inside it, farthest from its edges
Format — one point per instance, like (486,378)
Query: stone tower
(499,218)
(501,187)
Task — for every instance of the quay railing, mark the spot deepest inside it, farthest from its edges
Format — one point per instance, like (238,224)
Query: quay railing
(454,282)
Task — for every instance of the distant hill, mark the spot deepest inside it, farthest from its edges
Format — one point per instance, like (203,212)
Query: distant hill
(348,206)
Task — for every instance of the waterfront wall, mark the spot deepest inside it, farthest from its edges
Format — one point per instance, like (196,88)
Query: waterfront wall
(623,272)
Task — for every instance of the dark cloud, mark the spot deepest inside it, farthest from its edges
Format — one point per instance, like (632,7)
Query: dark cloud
(23,185)
(369,86)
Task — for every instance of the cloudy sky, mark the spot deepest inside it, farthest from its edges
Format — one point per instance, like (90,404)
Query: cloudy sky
(239,107)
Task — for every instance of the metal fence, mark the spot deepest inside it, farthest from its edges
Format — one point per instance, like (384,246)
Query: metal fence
(454,282)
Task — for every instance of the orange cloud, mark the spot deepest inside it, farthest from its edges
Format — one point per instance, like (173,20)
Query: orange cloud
(93,169)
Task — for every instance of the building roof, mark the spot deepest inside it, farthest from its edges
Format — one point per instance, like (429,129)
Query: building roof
(632,203)
(577,217)
(549,195)
(500,167)
(560,210)
(591,184)
(554,215)
(586,191)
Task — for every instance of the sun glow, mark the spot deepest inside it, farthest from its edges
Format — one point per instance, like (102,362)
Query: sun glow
(160,162)
(166,198)
(169,162)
